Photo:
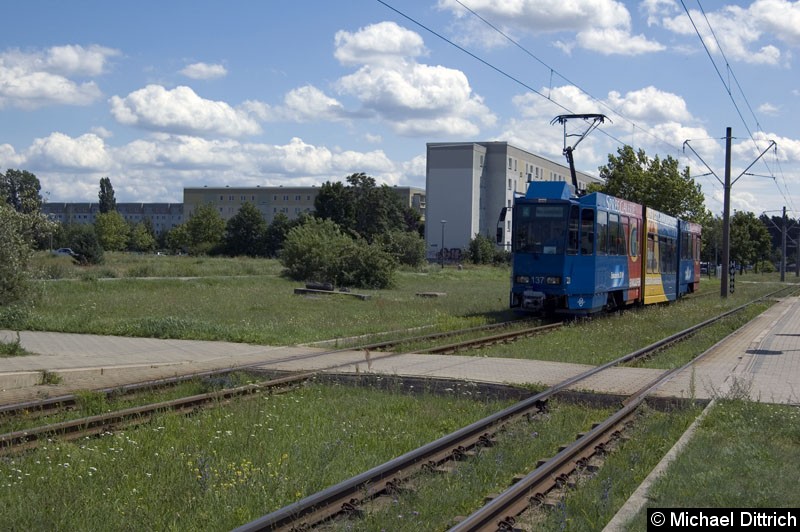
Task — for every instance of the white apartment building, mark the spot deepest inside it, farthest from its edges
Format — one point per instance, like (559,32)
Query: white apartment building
(467,184)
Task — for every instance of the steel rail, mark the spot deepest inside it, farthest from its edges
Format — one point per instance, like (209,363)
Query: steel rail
(27,438)
(67,400)
(76,428)
(344,496)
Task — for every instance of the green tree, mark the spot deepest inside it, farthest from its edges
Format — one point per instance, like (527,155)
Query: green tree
(750,241)
(142,239)
(113,232)
(482,250)
(319,251)
(653,182)
(177,238)
(20,189)
(407,247)
(312,251)
(108,202)
(83,240)
(363,208)
(335,202)
(245,232)
(276,232)
(16,248)
(711,251)
(205,230)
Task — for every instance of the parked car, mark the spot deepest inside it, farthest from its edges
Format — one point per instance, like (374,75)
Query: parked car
(64,251)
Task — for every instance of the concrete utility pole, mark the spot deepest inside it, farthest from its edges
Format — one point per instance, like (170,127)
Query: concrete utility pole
(726,208)
(783,247)
(726,219)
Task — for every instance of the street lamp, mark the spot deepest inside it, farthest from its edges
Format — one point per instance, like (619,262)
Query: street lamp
(442,248)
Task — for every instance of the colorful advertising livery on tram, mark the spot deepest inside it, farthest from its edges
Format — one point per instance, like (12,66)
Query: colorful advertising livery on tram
(579,256)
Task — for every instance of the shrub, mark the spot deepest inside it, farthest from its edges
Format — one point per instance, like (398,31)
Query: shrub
(15,254)
(481,250)
(84,242)
(366,266)
(317,250)
(312,251)
(407,247)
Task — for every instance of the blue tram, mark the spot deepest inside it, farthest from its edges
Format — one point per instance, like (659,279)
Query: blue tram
(579,256)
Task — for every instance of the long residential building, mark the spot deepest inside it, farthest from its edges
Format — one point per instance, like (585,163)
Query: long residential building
(163,216)
(270,201)
(291,201)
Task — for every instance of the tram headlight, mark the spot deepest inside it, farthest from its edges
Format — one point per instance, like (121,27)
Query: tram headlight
(522,279)
(553,279)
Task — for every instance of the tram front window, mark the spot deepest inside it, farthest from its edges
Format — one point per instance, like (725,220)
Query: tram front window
(540,228)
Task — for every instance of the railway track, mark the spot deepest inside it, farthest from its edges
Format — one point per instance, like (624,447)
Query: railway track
(85,426)
(502,512)
(335,501)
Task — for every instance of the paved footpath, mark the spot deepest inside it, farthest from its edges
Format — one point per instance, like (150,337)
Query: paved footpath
(761,361)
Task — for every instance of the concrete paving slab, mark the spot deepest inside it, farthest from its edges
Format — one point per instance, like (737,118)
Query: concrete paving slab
(760,361)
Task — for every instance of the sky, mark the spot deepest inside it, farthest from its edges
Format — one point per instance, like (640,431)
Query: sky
(159,96)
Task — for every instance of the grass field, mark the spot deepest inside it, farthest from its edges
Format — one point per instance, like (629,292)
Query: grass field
(247,300)
(213,473)
(225,304)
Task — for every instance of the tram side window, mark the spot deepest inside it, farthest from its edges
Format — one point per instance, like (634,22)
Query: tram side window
(574,230)
(587,232)
(624,227)
(615,238)
(602,232)
(686,248)
(652,263)
(667,252)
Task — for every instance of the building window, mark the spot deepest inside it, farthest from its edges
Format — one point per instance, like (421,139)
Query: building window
(298,197)
(509,163)
(509,184)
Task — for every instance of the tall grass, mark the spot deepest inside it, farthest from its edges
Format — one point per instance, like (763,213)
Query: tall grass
(224,466)
(744,455)
(605,338)
(262,309)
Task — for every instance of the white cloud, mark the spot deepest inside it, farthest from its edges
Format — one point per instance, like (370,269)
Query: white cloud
(204,71)
(304,104)
(33,80)
(77,60)
(9,157)
(769,109)
(658,9)
(419,99)
(59,151)
(650,105)
(741,32)
(414,99)
(181,110)
(788,149)
(616,41)
(780,18)
(602,26)
(384,42)
(308,103)
(159,167)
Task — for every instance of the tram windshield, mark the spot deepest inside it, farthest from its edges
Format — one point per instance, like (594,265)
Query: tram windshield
(540,228)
